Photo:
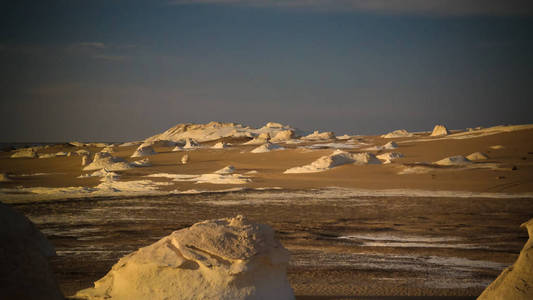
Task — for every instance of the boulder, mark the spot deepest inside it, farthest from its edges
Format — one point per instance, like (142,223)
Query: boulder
(230,258)
(439,130)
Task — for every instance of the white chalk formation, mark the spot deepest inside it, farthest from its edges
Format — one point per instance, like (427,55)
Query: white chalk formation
(144,150)
(335,159)
(222,259)
(439,130)
(456,160)
(24,252)
(185,159)
(267,147)
(400,133)
(105,160)
(516,281)
(24,153)
(326,135)
(477,156)
(220,145)
(190,144)
(141,163)
(226,170)
(388,157)
(284,135)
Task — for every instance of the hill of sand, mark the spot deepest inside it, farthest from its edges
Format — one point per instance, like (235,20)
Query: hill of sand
(218,259)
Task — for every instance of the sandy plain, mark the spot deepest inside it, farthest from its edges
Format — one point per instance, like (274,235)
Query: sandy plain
(353,231)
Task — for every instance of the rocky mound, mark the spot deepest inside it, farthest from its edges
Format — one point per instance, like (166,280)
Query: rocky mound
(439,130)
(453,161)
(477,156)
(144,150)
(335,159)
(229,258)
(387,158)
(220,145)
(24,153)
(326,135)
(284,135)
(105,160)
(400,133)
(515,282)
(267,148)
(24,252)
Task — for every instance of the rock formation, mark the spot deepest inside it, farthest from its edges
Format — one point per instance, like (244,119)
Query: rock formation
(439,130)
(515,282)
(24,251)
(229,258)
(105,160)
(144,150)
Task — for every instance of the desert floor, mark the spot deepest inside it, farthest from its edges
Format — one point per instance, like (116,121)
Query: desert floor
(438,231)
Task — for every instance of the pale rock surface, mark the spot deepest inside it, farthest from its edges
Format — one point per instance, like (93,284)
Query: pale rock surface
(259,140)
(229,258)
(477,156)
(109,149)
(453,161)
(439,130)
(177,148)
(24,252)
(62,153)
(267,147)
(390,146)
(46,155)
(141,163)
(185,159)
(105,160)
(284,135)
(515,282)
(24,153)
(85,160)
(335,159)
(219,145)
(226,170)
(82,152)
(190,144)
(77,144)
(144,150)
(326,135)
(344,137)
(397,134)
(387,158)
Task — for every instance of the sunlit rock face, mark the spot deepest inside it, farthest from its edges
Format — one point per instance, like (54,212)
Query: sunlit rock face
(24,251)
(439,130)
(229,258)
(515,282)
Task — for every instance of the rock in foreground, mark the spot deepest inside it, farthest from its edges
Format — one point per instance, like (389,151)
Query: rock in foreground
(24,251)
(229,258)
(515,282)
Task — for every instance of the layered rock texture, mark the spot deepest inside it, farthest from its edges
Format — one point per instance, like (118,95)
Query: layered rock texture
(229,258)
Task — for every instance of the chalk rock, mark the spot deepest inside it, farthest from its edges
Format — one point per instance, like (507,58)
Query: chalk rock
(388,157)
(515,282)
(439,130)
(267,147)
(219,145)
(453,161)
(397,134)
(226,170)
(337,158)
(105,160)
(24,153)
(326,135)
(24,251)
(229,258)
(477,156)
(141,163)
(144,150)
(190,144)
(185,158)
(85,160)
(283,135)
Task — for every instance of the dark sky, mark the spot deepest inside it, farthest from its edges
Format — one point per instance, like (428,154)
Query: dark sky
(121,70)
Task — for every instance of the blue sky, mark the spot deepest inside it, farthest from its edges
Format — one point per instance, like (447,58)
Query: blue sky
(123,70)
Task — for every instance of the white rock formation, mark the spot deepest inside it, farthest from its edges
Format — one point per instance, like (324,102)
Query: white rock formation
(83,152)
(515,282)
(109,149)
(85,160)
(190,144)
(390,146)
(218,259)
(24,252)
(284,135)
(477,156)
(177,148)
(439,130)
(77,144)
(185,158)
(453,161)
(105,160)
(144,150)
(267,148)
(259,140)
(397,134)
(335,159)
(141,163)
(326,135)
(24,153)
(220,145)
(46,155)
(387,158)
(226,170)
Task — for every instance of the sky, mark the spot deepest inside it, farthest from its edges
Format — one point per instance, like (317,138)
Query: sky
(113,70)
